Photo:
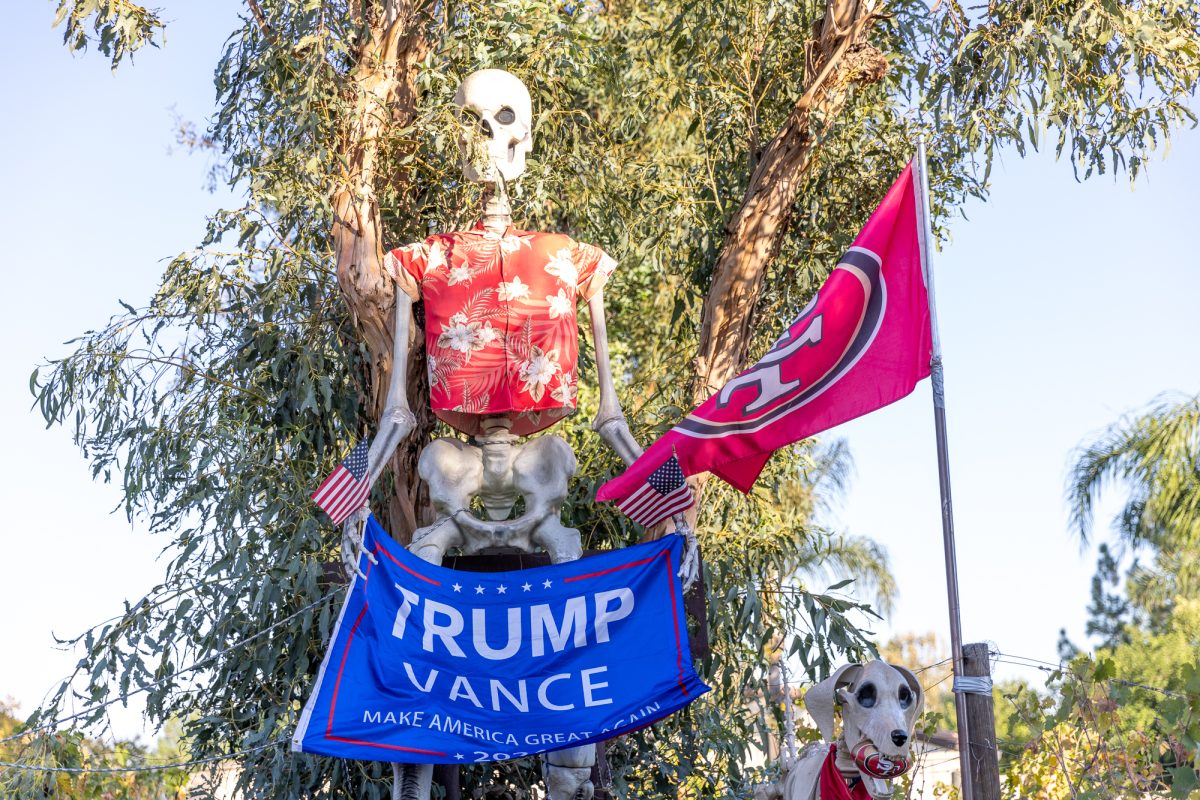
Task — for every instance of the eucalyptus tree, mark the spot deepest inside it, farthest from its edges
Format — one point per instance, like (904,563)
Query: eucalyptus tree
(726,152)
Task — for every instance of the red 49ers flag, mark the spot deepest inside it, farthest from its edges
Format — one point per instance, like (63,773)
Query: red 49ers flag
(863,342)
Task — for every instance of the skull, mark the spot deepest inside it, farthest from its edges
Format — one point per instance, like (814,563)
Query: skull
(496,115)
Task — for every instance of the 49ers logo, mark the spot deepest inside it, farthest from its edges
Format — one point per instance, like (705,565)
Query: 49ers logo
(876,764)
(818,348)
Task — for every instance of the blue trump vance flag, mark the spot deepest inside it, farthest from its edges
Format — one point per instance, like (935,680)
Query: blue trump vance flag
(433,665)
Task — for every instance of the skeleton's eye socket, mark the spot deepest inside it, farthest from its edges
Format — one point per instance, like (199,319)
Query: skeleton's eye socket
(866,695)
(906,697)
(506,116)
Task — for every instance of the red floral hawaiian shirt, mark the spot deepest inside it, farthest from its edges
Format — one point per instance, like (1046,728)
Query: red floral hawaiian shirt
(500,321)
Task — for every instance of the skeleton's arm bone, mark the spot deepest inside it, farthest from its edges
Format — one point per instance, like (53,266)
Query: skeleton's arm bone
(614,430)
(610,421)
(398,420)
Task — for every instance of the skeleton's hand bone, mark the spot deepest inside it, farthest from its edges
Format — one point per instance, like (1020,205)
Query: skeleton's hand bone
(689,567)
(352,541)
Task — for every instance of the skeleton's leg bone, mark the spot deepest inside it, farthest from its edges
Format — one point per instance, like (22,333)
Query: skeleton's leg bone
(452,471)
(540,472)
(568,784)
(569,771)
(415,781)
(412,781)
(561,542)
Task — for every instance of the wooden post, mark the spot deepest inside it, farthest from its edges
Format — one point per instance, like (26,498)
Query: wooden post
(982,756)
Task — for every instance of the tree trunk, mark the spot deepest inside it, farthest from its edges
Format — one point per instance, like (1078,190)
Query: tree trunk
(839,56)
(384,82)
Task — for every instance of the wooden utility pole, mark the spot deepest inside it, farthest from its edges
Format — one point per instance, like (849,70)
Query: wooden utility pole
(982,756)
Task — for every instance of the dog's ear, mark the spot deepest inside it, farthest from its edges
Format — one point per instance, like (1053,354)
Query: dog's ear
(914,711)
(821,699)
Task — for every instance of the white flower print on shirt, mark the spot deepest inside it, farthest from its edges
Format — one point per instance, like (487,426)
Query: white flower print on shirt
(538,370)
(488,334)
(562,267)
(511,244)
(459,274)
(560,305)
(464,336)
(565,391)
(514,290)
(437,256)
(457,335)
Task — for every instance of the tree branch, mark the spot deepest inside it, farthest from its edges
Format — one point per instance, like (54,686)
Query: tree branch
(756,231)
(261,18)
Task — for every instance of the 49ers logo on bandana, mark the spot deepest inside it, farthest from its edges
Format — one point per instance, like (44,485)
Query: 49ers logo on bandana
(863,342)
(834,330)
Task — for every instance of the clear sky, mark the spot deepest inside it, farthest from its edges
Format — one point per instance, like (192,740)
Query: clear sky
(1062,306)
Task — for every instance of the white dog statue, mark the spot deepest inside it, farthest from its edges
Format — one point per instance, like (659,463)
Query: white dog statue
(880,704)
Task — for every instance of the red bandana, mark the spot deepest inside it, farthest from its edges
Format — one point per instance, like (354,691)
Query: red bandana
(833,786)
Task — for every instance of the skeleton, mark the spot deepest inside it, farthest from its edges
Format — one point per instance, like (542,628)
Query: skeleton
(496,116)
(880,704)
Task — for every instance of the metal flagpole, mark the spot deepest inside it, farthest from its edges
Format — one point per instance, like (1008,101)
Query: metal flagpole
(937,379)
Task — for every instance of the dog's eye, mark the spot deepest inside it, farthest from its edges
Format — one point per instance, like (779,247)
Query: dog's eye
(866,695)
(906,697)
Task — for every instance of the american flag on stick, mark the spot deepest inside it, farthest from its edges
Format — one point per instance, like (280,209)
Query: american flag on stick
(664,493)
(346,488)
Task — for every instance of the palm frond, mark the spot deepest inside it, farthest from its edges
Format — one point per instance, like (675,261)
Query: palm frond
(1156,455)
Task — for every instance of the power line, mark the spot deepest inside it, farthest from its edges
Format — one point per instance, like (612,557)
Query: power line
(198,665)
(919,670)
(144,767)
(1034,661)
(1049,666)
(916,671)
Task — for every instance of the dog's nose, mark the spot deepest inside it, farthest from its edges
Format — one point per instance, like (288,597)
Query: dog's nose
(899,737)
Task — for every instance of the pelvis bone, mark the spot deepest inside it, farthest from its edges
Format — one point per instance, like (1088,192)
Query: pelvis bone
(498,470)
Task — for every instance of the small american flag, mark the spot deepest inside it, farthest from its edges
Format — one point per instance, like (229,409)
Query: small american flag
(664,493)
(346,488)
